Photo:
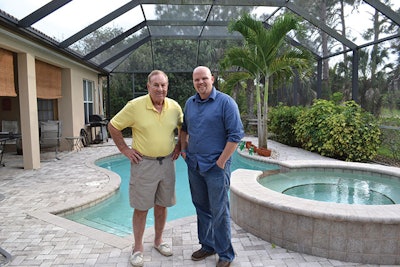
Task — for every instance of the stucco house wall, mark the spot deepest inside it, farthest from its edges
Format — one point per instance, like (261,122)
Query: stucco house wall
(24,106)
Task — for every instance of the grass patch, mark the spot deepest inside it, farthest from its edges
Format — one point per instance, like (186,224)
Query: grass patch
(385,152)
(387,113)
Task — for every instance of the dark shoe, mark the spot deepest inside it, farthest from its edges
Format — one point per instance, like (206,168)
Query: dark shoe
(223,263)
(201,254)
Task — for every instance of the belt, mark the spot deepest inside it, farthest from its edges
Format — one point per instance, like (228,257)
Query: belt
(160,159)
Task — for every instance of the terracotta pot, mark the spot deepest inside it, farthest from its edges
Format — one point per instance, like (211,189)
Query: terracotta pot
(264,152)
(254,148)
(248,144)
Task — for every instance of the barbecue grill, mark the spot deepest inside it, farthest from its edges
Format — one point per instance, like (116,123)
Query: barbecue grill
(98,128)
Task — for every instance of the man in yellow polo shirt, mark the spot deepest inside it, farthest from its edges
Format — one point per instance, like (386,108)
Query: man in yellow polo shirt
(153,119)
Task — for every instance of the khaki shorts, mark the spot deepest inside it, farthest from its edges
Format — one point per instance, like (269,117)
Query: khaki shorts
(152,183)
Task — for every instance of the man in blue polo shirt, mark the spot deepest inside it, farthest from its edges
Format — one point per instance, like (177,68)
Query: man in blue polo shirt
(211,130)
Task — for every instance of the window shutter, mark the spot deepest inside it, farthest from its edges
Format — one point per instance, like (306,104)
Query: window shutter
(48,80)
(7,85)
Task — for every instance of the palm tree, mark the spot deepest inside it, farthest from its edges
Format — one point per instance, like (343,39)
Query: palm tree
(263,56)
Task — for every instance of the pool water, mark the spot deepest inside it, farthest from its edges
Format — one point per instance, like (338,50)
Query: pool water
(338,187)
(114,215)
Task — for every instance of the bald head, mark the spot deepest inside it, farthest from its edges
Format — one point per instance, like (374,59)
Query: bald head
(203,81)
(202,69)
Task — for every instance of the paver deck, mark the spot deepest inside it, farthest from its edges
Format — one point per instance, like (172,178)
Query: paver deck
(35,237)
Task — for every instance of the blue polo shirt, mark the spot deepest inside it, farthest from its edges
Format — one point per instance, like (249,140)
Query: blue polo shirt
(210,124)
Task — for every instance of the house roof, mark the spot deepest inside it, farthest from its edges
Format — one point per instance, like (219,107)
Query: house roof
(134,34)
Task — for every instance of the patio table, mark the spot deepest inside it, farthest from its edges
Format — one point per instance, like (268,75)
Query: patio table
(4,137)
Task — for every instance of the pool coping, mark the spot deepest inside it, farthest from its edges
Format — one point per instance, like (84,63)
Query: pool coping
(245,183)
(54,213)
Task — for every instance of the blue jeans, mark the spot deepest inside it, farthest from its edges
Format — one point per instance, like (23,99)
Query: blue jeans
(210,197)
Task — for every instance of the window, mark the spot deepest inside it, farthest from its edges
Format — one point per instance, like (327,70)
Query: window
(47,109)
(88,99)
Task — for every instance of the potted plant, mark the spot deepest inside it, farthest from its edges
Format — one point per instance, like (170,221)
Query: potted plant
(248,144)
(265,152)
(264,55)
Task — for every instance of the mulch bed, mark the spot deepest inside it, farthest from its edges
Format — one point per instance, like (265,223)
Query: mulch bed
(387,161)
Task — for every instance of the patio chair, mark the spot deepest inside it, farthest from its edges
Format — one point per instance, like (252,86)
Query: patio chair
(50,135)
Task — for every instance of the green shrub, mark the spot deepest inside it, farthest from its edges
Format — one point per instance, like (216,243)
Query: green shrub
(343,132)
(281,120)
(312,127)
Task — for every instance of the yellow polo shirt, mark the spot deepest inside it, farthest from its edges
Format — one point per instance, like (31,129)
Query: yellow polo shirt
(152,132)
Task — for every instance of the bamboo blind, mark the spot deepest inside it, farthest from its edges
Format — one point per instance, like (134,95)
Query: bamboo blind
(7,85)
(48,80)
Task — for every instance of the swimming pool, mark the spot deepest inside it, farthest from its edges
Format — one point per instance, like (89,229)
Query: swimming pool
(114,215)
